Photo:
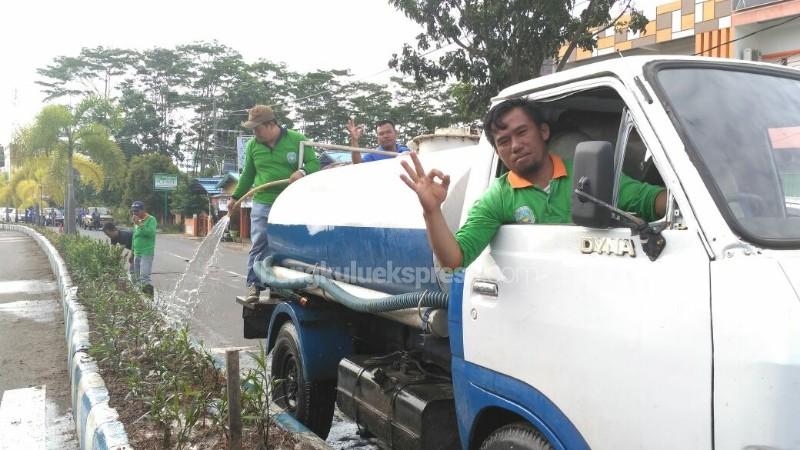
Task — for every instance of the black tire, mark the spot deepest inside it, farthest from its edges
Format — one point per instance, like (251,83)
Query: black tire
(309,402)
(518,436)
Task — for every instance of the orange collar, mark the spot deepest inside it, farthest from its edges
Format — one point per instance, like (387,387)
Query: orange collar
(559,170)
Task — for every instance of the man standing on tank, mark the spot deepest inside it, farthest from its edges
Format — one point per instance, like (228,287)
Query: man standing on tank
(272,155)
(387,140)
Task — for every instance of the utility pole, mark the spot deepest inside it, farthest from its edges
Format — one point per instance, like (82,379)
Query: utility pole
(214,130)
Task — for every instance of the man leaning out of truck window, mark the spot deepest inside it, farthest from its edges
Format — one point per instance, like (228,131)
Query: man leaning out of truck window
(537,188)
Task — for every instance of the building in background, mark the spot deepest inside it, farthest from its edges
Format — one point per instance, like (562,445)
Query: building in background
(767,31)
(760,30)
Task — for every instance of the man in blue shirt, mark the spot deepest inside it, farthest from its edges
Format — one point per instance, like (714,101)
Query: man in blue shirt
(387,141)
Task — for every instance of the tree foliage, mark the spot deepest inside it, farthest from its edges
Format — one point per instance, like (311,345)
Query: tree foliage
(188,102)
(144,111)
(492,44)
(139,182)
(185,202)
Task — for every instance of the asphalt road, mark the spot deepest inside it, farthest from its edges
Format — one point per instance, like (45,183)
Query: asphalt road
(217,320)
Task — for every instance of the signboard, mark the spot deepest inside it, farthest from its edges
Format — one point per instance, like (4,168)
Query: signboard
(744,4)
(164,182)
(241,145)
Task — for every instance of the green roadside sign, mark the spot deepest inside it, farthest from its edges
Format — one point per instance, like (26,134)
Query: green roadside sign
(165,182)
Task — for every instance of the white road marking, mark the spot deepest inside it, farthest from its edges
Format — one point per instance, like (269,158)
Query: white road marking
(179,256)
(22,414)
(236,274)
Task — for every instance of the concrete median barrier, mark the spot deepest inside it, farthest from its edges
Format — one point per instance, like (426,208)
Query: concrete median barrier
(95,421)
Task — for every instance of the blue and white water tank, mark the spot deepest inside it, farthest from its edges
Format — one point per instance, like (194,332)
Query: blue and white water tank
(362,223)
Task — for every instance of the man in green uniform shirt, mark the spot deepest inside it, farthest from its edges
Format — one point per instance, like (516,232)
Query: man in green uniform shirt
(271,156)
(537,188)
(144,246)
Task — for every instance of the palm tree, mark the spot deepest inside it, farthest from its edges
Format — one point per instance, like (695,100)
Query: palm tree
(60,132)
(44,177)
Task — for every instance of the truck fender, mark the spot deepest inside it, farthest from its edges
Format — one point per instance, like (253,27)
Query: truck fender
(480,390)
(484,398)
(324,338)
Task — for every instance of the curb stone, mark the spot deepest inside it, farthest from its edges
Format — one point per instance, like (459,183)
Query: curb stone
(96,422)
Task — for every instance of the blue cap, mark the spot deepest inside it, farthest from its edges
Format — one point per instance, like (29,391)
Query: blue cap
(137,206)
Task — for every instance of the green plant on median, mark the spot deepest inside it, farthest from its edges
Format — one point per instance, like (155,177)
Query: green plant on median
(178,387)
(257,386)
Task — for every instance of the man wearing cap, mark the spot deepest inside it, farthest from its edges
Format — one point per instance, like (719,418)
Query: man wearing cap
(387,141)
(144,246)
(271,156)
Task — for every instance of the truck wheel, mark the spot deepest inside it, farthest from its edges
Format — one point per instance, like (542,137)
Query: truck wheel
(309,402)
(518,435)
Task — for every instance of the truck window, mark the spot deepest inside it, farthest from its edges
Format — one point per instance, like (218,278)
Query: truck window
(740,131)
(597,114)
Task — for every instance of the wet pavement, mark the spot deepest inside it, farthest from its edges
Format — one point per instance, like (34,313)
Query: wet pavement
(33,349)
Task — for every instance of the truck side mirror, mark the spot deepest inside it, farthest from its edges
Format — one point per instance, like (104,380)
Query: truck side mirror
(593,174)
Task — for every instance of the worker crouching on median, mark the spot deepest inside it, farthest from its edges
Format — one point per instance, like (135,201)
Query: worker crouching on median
(272,155)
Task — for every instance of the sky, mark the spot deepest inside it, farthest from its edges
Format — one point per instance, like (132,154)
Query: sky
(359,35)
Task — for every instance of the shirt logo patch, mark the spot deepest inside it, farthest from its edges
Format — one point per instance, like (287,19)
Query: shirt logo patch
(291,157)
(524,214)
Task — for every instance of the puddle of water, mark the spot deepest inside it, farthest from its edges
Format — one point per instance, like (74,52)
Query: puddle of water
(27,286)
(60,429)
(344,435)
(179,305)
(38,311)
(13,239)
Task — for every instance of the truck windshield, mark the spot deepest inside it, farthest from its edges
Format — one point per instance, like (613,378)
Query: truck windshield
(742,129)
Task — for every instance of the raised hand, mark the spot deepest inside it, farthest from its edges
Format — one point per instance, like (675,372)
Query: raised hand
(355,130)
(431,193)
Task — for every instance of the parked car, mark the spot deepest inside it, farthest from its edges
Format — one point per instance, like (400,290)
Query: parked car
(103,216)
(8,215)
(53,217)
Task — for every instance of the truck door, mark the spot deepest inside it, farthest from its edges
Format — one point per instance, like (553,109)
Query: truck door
(590,326)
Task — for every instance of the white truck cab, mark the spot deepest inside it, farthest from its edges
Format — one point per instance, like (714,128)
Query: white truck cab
(608,332)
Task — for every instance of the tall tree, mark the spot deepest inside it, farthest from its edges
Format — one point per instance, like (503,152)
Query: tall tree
(262,82)
(80,75)
(161,73)
(582,31)
(141,124)
(139,182)
(492,44)
(322,104)
(57,130)
(43,178)
(368,103)
(213,70)
(420,110)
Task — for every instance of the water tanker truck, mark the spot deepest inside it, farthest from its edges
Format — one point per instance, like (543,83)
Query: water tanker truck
(609,332)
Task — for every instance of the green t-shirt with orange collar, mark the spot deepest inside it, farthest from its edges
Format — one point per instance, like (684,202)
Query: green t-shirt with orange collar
(263,164)
(512,199)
